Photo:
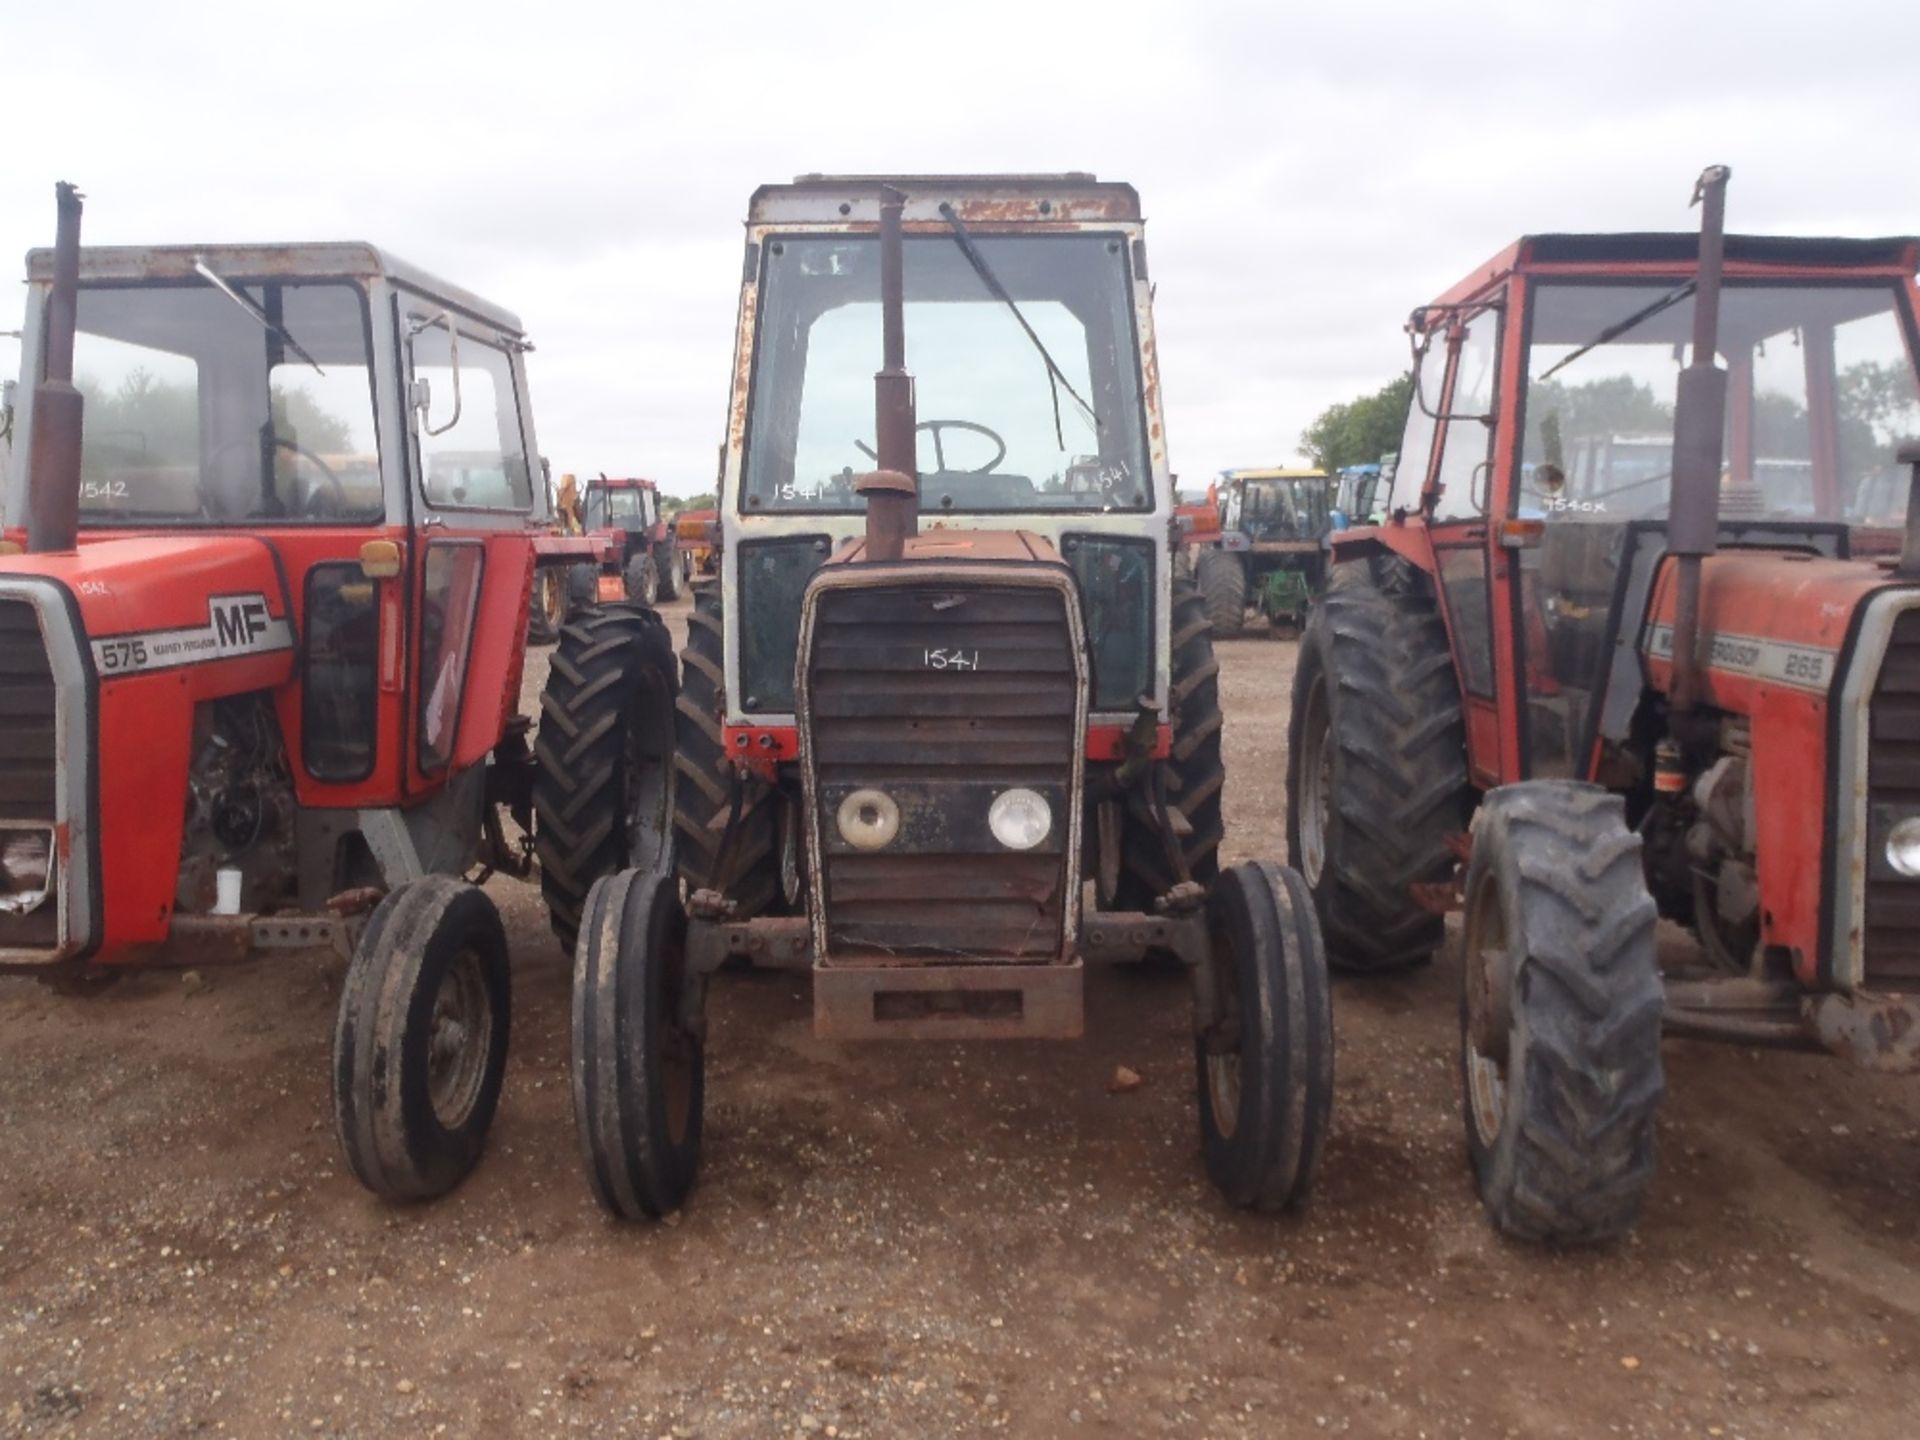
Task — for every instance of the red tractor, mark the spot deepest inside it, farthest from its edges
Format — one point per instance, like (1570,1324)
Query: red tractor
(1572,697)
(626,515)
(263,613)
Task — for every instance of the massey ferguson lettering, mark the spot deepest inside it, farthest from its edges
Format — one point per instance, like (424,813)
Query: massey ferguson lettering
(236,625)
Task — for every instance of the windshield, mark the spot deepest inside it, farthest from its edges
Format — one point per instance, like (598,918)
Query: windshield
(1820,395)
(612,508)
(988,439)
(196,410)
(1286,509)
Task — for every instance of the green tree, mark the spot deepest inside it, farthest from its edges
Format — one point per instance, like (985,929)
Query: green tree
(1360,431)
(671,505)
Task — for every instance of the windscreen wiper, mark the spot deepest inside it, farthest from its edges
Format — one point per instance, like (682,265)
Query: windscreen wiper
(273,327)
(1614,332)
(1055,378)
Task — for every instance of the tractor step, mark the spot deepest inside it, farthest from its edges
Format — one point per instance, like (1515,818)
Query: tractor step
(856,1000)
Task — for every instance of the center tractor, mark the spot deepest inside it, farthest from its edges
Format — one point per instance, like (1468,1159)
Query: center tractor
(1268,548)
(263,609)
(1639,638)
(949,731)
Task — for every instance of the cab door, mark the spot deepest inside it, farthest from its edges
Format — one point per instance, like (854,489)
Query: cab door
(472,481)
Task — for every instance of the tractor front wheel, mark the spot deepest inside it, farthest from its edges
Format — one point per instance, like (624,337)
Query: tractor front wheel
(1560,1017)
(639,1074)
(420,1043)
(551,602)
(642,579)
(1265,1058)
(671,575)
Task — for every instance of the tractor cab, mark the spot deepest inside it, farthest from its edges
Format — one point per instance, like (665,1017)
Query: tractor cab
(626,514)
(1274,507)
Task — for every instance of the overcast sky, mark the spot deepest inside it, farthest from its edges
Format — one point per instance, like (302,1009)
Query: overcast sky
(1309,175)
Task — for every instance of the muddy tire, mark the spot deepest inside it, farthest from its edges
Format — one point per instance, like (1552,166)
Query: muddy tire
(639,1077)
(550,603)
(1194,773)
(704,780)
(1560,1020)
(1222,578)
(1266,1065)
(603,778)
(1376,765)
(420,1042)
(642,579)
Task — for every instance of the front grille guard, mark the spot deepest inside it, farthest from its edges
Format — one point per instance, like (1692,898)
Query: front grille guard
(1846,938)
(75,853)
(977,574)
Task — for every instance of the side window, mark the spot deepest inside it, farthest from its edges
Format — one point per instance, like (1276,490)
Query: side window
(1416,451)
(449,596)
(472,454)
(1468,448)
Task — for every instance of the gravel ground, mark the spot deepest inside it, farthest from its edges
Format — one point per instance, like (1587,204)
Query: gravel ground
(922,1240)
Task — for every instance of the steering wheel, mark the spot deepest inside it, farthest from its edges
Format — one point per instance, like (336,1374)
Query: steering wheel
(335,492)
(939,428)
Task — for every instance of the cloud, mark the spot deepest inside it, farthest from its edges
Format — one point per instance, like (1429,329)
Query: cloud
(1310,174)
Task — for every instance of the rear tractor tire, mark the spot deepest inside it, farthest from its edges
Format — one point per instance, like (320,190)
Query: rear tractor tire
(762,869)
(1376,765)
(1222,577)
(420,1043)
(1193,772)
(603,778)
(639,1075)
(1560,1016)
(1266,1062)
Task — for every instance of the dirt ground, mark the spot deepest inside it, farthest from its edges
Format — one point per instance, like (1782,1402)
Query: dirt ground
(922,1240)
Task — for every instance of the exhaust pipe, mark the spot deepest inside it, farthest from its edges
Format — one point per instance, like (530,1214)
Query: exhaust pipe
(892,491)
(1699,429)
(53,473)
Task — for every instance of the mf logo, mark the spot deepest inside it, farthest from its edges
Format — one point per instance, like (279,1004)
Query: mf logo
(238,620)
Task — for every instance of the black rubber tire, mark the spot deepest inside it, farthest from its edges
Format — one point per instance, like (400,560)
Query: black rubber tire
(1375,677)
(704,778)
(603,778)
(639,1078)
(397,1141)
(547,607)
(642,579)
(1277,1081)
(1563,1150)
(1222,578)
(583,584)
(668,569)
(1195,776)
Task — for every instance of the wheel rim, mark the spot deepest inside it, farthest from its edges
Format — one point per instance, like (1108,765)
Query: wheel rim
(459,1040)
(1316,785)
(1486,950)
(553,596)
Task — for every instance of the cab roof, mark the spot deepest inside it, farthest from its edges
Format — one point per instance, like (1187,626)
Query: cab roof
(1678,251)
(353,259)
(1072,197)
(1274,472)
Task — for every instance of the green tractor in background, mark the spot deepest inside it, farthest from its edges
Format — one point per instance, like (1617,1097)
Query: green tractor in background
(1270,549)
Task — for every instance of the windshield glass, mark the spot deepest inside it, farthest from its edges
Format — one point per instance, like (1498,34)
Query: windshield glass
(985,399)
(1286,509)
(612,508)
(1820,395)
(197,411)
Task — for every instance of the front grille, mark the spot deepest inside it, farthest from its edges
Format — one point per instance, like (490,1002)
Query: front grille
(943,697)
(1890,945)
(28,754)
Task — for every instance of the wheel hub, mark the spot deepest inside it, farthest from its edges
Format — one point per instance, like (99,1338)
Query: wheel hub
(458,1040)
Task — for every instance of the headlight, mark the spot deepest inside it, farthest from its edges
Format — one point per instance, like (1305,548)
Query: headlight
(1019,819)
(868,819)
(26,870)
(1903,846)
